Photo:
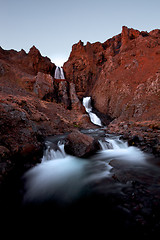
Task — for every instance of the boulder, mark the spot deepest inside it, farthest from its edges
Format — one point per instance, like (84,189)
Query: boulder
(43,86)
(80,145)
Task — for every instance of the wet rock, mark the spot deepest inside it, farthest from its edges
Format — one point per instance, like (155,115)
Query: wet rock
(80,145)
(144,135)
(134,140)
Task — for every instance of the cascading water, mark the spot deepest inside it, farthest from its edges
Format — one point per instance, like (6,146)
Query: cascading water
(93,117)
(53,153)
(64,177)
(59,74)
(117,184)
(114,148)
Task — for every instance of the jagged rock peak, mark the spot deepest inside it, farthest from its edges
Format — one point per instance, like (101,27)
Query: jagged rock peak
(80,43)
(34,51)
(130,33)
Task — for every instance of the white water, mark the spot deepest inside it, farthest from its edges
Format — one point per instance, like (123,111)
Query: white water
(115,148)
(51,154)
(63,178)
(93,117)
(59,74)
(55,179)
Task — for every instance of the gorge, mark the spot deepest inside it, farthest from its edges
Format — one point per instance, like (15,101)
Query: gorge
(85,142)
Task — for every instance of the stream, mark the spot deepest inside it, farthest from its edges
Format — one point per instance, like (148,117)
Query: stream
(117,188)
(63,178)
(115,192)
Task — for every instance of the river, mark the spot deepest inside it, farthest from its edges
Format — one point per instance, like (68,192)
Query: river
(115,192)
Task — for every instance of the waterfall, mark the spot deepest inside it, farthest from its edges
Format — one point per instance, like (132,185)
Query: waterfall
(53,153)
(59,74)
(113,143)
(93,117)
(114,148)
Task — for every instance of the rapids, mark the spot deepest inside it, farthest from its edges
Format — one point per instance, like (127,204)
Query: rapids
(63,178)
(114,192)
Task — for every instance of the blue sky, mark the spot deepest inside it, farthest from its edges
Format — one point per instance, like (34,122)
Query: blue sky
(54,26)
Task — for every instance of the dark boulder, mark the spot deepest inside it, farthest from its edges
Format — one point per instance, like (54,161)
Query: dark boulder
(80,145)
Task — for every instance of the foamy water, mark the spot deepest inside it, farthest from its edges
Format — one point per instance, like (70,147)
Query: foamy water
(63,178)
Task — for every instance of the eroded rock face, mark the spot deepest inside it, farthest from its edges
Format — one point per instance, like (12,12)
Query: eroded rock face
(75,102)
(122,74)
(81,68)
(31,63)
(43,86)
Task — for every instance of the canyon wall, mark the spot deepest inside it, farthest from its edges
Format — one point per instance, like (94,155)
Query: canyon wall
(122,74)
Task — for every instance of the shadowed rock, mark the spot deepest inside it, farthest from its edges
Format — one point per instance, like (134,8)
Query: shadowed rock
(80,145)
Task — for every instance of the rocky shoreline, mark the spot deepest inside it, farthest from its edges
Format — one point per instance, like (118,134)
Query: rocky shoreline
(145,135)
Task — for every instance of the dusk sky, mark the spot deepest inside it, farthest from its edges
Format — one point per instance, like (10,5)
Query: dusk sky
(54,26)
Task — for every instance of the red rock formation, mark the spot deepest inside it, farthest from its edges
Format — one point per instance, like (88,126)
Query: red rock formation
(122,74)
(81,67)
(31,63)
(34,73)
(43,85)
(29,107)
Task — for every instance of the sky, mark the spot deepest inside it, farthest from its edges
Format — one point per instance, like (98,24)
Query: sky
(54,26)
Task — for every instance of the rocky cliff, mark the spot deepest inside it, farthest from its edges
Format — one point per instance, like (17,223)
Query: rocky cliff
(33,105)
(122,74)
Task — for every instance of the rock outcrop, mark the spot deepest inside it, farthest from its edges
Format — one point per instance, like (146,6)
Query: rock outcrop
(30,63)
(43,86)
(81,145)
(122,74)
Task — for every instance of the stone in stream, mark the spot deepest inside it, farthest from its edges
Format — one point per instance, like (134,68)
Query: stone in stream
(81,145)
